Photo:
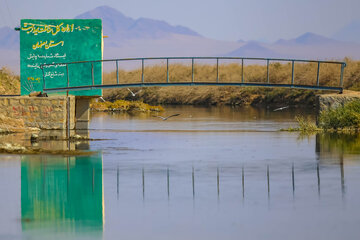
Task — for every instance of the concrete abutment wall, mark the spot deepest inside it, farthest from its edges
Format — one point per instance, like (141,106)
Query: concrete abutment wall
(55,112)
(335,100)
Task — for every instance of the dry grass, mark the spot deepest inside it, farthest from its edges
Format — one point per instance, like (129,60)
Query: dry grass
(352,75)
(280,72)
(9,83)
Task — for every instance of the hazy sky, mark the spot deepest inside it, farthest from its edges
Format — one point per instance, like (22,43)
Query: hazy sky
(218,19)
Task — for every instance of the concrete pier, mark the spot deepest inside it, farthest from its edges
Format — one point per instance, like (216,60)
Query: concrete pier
(82,113)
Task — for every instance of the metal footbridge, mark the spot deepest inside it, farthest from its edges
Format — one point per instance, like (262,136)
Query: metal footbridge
(192,63)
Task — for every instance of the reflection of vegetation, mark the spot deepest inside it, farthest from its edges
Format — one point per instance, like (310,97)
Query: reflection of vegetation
(125,106)
(338,143)
(346,117)
(64,194)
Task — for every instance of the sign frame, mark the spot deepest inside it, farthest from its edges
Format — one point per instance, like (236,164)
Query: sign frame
(46,41)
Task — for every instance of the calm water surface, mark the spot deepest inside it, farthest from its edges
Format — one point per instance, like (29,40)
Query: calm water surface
(210,173)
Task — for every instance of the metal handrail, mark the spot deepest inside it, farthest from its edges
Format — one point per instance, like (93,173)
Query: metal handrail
(193,82)
(185,58)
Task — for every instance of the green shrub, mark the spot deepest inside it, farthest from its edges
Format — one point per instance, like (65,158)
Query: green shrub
(344,117)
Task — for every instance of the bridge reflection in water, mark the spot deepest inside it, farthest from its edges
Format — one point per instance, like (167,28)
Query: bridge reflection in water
(242,179)
(333,152)
(219,174)
(62,194)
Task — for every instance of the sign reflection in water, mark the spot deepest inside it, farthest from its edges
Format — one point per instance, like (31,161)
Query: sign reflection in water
(62,194)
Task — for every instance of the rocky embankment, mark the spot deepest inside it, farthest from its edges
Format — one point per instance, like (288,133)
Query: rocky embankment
(14,148)
(12,125)
(333,101)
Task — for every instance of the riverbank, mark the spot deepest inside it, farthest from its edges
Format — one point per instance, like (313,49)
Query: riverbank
(49,142)
(212,96)
(13,148)
(343,115)
(345,118)
(124,106)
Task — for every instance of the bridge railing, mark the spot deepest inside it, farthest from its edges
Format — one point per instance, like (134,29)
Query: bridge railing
(166,82)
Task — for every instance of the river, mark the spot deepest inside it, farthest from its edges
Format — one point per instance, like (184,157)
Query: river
(209,173)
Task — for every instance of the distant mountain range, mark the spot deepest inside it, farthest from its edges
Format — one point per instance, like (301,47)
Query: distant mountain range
(120,27)
(254,49)
(307,39)
(143,37)
(349,33)
(306,46)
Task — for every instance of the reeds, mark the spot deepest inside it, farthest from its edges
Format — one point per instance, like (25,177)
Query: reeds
(279,72)
(9,83)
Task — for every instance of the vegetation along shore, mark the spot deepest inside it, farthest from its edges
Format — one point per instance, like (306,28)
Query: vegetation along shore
(305,73)
(344,119)
(149,99)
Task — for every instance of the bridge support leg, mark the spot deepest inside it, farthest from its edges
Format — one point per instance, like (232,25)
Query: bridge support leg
(82,113)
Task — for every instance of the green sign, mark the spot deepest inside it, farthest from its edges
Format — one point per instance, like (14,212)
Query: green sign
(60,41)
